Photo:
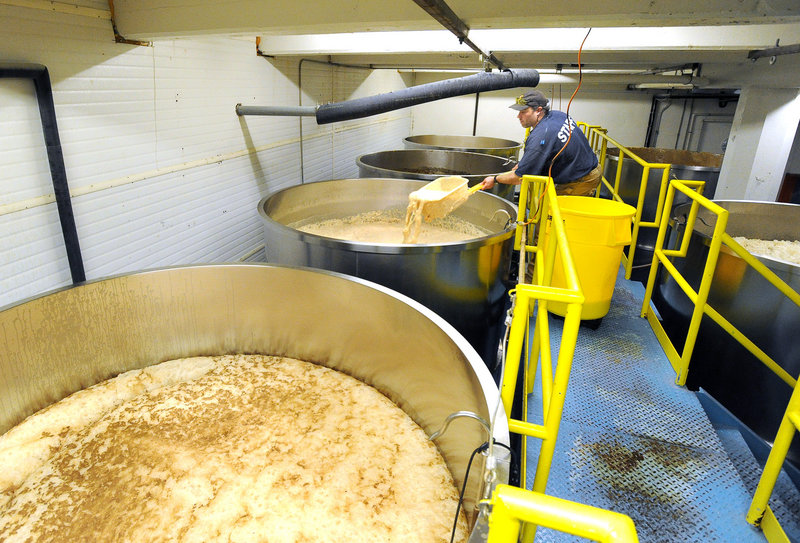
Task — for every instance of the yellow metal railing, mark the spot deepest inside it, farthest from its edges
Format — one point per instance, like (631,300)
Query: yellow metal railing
(511,507)
(518,509)
(528,297)
(759,512)
(599,140)
(680,361)
(594,134)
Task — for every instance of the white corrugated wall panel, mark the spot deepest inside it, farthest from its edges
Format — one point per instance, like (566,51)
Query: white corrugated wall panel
(318,158)
(22,151)
(32,255)
(368,138)
(162,170)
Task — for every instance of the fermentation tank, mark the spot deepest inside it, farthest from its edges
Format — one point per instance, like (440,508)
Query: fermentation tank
(472,144)
(68,340)
(428,164)
(720,365)
(688,165)
(465,282)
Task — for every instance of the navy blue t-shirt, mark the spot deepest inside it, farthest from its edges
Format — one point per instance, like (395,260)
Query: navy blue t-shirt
(546,139)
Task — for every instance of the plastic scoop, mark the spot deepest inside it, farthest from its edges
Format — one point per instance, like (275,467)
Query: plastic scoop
(435,200)
(441,196)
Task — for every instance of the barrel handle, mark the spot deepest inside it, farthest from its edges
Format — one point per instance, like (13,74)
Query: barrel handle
(508,217)
(452,416)
(508,161)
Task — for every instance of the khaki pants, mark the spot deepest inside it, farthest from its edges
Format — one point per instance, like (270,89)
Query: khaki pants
(585,186)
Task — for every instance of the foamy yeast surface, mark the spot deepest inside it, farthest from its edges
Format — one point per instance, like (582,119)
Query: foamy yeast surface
(387,227)
(233,448)
(780,249)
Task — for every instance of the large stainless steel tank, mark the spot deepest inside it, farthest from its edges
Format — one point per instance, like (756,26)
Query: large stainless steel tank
(428,164)
(688,165)
(62,342)
(720,365)
(464,282)
(471,144)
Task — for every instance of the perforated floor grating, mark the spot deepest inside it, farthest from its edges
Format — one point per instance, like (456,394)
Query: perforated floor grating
(633,441)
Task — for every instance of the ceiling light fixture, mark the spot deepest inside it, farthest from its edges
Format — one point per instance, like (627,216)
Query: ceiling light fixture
(646,86)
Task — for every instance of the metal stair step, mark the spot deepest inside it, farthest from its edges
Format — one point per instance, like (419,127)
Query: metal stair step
(785,500)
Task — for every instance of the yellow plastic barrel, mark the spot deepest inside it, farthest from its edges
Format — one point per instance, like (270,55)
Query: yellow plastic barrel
(597,230)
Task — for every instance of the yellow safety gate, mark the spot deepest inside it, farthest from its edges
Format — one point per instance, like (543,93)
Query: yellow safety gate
(511,506)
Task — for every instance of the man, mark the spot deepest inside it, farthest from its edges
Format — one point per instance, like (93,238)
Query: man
(575,171)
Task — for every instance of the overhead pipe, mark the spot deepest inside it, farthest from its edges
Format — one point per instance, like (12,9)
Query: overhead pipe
(475,115)
(58,172)
(420,94)
(277,111)
(429,92)
(309,111)
(654,121)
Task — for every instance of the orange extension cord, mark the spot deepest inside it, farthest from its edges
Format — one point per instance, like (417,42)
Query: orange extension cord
(569,136)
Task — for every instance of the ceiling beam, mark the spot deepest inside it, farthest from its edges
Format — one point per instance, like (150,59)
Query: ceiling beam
(151,19)
(440,11)
(550,41)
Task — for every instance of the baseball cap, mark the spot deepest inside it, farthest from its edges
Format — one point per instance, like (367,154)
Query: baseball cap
(532,99)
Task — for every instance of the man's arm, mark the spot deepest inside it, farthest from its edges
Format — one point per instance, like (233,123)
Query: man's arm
(506,178)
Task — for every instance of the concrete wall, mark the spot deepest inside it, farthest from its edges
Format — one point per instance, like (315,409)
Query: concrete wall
(793,165)
(762,139)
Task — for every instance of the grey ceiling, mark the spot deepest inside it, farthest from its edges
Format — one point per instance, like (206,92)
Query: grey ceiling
(637,36)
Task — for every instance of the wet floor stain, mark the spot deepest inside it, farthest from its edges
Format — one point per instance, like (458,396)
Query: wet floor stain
(654,482)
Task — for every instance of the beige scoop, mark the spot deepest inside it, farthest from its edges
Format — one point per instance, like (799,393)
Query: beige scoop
(435,200)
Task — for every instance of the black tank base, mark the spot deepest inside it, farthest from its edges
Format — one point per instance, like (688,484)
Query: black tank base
(591,324)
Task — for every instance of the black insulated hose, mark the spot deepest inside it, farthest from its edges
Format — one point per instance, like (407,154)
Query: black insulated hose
(381,103)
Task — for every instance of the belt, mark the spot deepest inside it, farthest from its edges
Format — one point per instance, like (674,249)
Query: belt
(591,175)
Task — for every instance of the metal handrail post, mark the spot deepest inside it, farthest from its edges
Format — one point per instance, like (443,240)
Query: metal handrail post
(780,448)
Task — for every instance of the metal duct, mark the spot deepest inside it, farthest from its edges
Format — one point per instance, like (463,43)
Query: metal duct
(58,172)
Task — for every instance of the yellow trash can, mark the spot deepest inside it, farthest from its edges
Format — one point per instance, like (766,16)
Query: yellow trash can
(597,230)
